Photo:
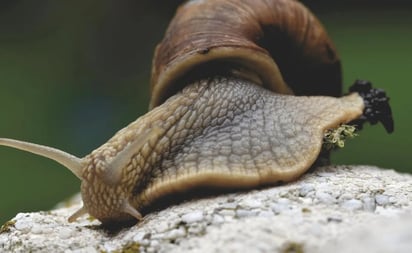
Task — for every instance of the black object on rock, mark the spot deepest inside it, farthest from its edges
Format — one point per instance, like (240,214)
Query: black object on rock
(377,108)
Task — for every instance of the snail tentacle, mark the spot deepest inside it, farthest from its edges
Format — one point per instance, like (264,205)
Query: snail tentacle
(114,170)
(128,208)
(73,163)
(82,211)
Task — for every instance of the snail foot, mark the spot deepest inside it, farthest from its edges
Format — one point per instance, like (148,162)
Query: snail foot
(377,108)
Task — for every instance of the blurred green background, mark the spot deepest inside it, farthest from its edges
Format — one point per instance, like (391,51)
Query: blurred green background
(72,73)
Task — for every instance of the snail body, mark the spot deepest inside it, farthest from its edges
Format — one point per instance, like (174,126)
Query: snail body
(222,114)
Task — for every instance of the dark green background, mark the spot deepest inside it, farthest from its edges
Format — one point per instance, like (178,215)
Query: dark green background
(72,73)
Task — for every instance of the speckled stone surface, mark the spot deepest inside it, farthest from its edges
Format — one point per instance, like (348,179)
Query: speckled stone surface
(333,209)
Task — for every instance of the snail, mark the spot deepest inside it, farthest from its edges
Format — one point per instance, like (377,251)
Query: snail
(242,93)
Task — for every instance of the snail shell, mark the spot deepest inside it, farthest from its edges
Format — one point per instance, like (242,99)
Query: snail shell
(222,111)
(279,44)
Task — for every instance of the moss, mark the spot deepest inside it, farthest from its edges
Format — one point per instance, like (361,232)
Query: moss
(46,212)
(6,226)
(335,138)
(91,218)
(292,247)
(129,248)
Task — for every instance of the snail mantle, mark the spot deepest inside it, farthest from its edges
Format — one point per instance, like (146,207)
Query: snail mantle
(332,209)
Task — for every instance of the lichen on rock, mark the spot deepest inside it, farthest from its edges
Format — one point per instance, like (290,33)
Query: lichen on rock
(327,209)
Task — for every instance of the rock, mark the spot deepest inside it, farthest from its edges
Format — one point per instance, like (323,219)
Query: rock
(193,217)
(382,199)
(369,237)
(333,209)
(369,204)
(352,204)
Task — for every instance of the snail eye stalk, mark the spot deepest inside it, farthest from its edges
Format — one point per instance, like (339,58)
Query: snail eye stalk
(74,164)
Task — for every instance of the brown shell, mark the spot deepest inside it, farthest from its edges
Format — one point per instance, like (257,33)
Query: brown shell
(277,41)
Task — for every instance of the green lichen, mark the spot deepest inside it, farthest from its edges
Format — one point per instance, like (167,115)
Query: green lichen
(335,138)
(129,248)
(292,247)
(6,226)
(91,218)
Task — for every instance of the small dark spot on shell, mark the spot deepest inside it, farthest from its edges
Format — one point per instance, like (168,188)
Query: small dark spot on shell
(204,51)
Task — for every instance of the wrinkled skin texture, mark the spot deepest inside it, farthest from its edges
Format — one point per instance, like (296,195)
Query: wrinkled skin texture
(220,132)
